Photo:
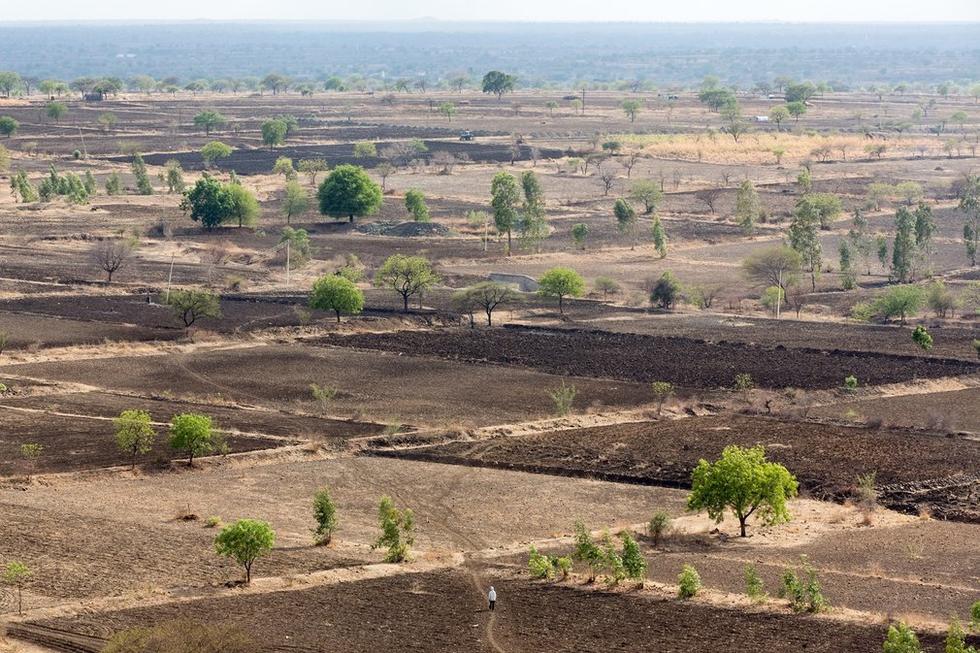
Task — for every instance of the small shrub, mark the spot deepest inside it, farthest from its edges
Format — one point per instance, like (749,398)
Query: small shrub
(922,338)
(901,639)
(689,581)
(850,383)
(975,616)
(956,639)
(659,526)
(212,522)
(563,397)
(662,390)
(743,384)
(867,495)
(540,565)
(634,564)
(563,565)
(976,347)
(754,587)
(322,395)
(325,513)
(587,551)
(803,590)
(397,531)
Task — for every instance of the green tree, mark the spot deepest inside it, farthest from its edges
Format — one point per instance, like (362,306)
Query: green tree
(580,231)
(625,219)
(337,294)
(901,639)
(245,541)
(113,184)
(796,109)
(969,204)
(274,132)
(284,166)
(688,582)
(416,206)
(648,193)
(173,176)
(779,115)
(504,200)
(662,390)
(55,110)
(921,337)
(397,531)
(298,243)
(586,550)
(193,434)
(325,514)
(823,207)
(659,237)
(349,191)
(365,149)
(143,185)
(296,200)
(901,301)
(531,221)
(214,151)
(735,126)
(208,120)
(634,564)
(631,108)
(498,83)
(448,109)
(666,291)
(406,275)
(134,433)
(956,639)
(193,305)
(8,126)
(16,574)
(804,239)
(208,203)
(561,282)
(904,247)
(742,481)
(311,168)
(243,208)
(747,207)
(9,82)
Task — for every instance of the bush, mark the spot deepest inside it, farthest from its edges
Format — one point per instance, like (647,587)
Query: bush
(325,514)
(754,587)
(563,565)
(922,338)
(181,636)
(587,551)
(397,531)
(956,639)
(540,565)
(659,526)
(803,591)
(662,390)
(850,383)
(666,291)
(212,522)
(975,616)
(563,397)
(689,581)
(634,564)
(901,639)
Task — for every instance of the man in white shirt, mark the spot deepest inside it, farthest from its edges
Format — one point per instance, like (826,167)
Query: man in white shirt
(492,597)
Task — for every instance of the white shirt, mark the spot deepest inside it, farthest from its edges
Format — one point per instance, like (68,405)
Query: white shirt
(492,595)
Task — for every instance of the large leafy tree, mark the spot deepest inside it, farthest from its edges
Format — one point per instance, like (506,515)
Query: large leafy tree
(349,191)
(245,541)
(209,204)
(215,150)
(498,83)
(969,197)
(134,433)
(274,132)
(805,239)
(742,481)
(561,283)
(192,305)
(8,126)
(208,120)
(406,275)
(338,294)
(193,434)
(504,200)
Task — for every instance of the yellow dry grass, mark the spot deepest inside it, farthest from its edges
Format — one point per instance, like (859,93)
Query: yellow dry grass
(760,148)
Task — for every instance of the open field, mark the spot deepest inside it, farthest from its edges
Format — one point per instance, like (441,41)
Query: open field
(825,459)
(656,358)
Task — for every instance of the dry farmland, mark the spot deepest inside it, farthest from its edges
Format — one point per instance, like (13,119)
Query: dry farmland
(498,438)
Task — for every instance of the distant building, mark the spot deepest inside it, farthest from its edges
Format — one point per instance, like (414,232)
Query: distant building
(762,118)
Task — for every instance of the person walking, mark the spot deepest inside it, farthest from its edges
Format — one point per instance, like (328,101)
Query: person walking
(492,597)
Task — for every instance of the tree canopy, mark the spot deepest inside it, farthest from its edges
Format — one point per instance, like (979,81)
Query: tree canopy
(245,541)
(742,481)
(338,294)
(561,283)
(498,83)
(406,275)
(349,191)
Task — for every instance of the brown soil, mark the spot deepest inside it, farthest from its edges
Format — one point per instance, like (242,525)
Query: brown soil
(683,361)
(825,458)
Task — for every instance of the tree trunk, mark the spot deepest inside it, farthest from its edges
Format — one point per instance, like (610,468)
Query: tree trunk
(490,317)
(741,524)
(561,309)
(338,317)
(405,302)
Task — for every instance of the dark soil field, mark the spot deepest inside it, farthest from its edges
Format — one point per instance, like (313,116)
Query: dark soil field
(826,459)
(79,443)
(948,341)
(443,611)
(955,410)
(246,420)
(376,386)
(685,362)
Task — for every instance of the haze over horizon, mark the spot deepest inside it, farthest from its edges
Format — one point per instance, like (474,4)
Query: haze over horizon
(709,11)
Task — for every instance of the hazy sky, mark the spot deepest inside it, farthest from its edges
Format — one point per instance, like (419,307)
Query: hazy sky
(538,10)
